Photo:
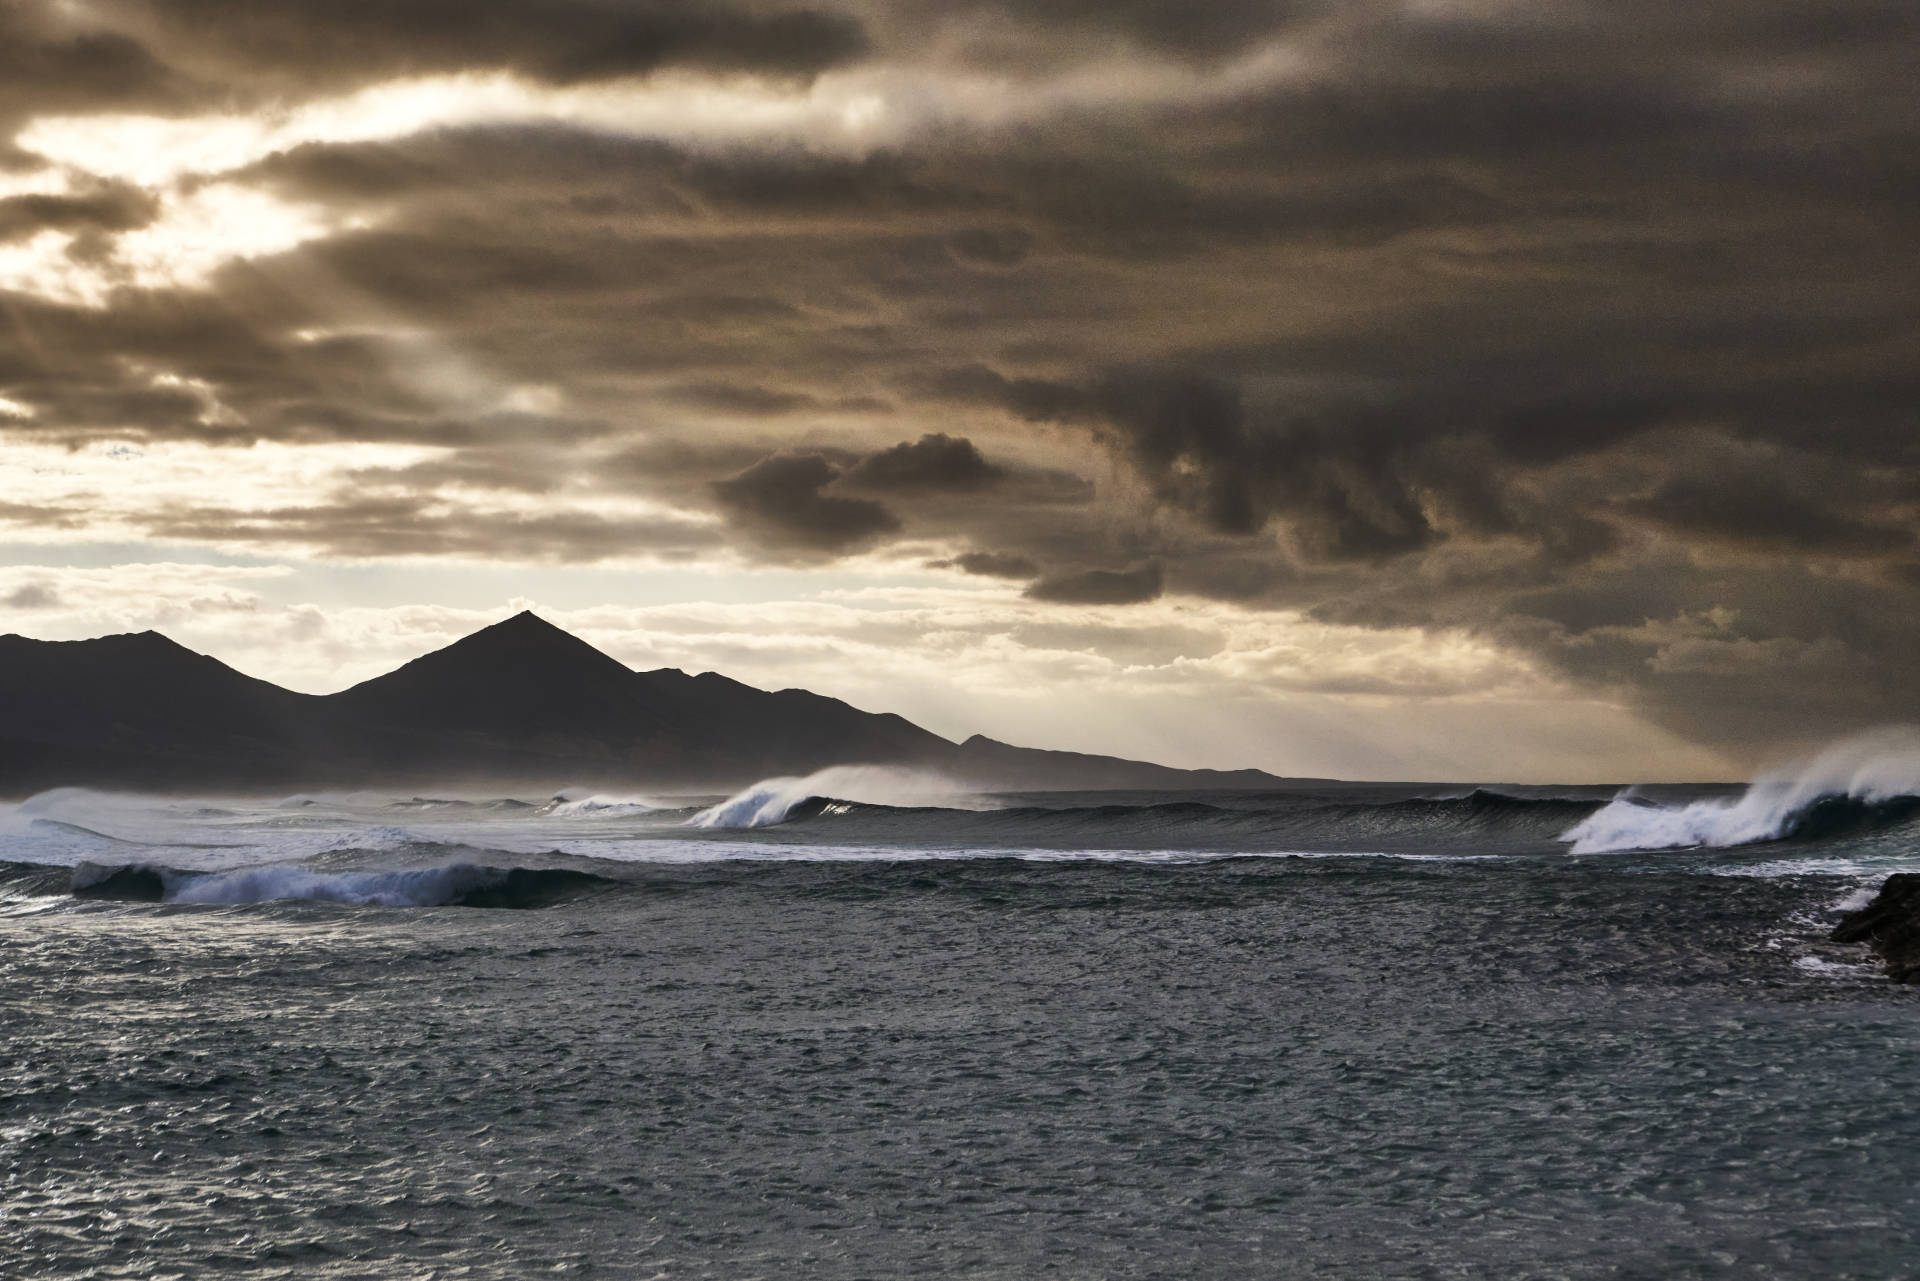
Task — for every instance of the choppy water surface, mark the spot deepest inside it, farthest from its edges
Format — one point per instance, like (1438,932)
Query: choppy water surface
(1005,1037)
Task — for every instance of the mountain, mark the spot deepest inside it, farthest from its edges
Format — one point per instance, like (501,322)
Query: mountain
(520,702)
(140,709)
(520,698)
(524,699)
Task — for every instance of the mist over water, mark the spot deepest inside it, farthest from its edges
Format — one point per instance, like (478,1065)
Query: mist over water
(774,800)
(863,1023)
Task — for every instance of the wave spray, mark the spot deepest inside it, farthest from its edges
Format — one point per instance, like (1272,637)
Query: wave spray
(1876,774)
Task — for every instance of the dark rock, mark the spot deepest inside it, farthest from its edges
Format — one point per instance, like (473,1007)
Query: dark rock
(1890,925)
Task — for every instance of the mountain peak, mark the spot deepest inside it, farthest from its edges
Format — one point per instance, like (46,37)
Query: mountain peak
(522,660)
(527,622)
(527,635)
(148,642)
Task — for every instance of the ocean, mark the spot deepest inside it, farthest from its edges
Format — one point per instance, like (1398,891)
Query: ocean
(863,1025)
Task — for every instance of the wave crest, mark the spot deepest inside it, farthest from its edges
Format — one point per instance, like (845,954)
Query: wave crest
(776,800)
(576,803)
(452,885)
(1859,783)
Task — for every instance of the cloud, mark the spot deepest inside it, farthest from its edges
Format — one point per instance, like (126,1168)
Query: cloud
(378,526)
(990,247)
(561,42)
(1099,587)
(1336,480)
(989,565)
(36,595)
(49,63)
(745,400)
(934,462)
(1161,25)
(111,208)
(778,502)
(1769,501)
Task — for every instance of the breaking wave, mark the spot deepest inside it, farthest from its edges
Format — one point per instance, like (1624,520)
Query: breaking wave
(437,803)
(583,804)
(1859,784)
(776,800)
(892,806)
(454,885)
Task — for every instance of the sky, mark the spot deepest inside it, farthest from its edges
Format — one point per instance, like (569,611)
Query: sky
(1451,389)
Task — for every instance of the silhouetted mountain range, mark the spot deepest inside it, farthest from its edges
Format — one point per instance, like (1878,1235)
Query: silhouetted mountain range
(519,702)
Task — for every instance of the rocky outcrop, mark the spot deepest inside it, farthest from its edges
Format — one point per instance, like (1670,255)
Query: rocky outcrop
(1890,925)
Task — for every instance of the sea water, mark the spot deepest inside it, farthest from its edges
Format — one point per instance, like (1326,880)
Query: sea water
(871,1026)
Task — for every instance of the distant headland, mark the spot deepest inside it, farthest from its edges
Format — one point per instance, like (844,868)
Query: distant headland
(519,702)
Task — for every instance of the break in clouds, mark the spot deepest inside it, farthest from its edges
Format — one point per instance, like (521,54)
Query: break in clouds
(1589,331)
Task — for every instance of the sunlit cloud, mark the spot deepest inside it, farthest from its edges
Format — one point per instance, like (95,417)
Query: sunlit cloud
(119,482)
(49,180)
(342,502)
(854,110)
(196,233)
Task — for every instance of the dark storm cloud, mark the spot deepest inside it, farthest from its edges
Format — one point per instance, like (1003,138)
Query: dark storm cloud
(112,208)
(745,399)
(1769,512)
(1214,28)
(1022,31)
(992,247)
(778,501)
(351,42)
(1191,438)
(52,63)
(935,462)
(989,565)
(1099,587)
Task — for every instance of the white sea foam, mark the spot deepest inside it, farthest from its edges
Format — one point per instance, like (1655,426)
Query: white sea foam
(576,803)
(1813,865)
(1879,766)
(70,823)
(1834,969)
(1855,900)
(771,800)
(378,838)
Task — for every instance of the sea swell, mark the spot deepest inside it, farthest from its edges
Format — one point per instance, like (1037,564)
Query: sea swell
(450,885)
(1244,822)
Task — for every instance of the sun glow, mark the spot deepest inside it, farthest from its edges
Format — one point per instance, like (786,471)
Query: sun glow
(211,213)
(196,233)
(45,181)
(848,110)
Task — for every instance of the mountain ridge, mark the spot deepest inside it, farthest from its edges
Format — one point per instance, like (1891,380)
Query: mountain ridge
(520,701)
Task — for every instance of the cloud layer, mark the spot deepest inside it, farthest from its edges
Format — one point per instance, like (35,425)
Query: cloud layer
(1588,332)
